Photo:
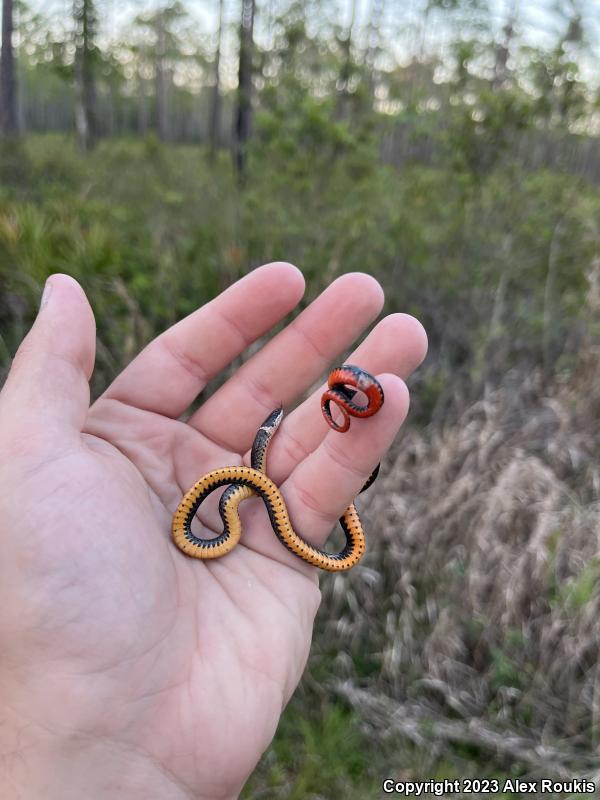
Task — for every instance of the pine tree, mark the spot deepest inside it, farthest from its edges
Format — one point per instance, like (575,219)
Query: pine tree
(85,78)
(8,83)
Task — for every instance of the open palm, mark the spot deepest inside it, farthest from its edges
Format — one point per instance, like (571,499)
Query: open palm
(133,665)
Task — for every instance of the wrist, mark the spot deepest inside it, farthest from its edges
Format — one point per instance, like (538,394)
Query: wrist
(37,766)
(42,761)
(71,770)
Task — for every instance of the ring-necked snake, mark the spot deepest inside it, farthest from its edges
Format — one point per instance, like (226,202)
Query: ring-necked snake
(248,481)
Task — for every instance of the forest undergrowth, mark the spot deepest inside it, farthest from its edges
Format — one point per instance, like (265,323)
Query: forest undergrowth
(467,639)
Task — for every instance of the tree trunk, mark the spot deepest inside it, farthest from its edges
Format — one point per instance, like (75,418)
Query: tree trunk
(373,45)
(85,82)
(502,49)
(162,115)
(346,69)
(142,117)
(8,82)
(244,111)
(215,113)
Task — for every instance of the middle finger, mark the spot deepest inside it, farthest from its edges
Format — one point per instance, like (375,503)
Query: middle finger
(289,363)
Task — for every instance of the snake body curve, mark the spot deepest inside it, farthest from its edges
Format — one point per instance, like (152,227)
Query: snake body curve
(248,481)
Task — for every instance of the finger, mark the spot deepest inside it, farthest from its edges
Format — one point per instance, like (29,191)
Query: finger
(47,390)
(398,344)
(327,481)
(170,372)
(291,362)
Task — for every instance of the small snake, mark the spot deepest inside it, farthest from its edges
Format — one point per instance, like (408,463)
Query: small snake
(248,481)
(338,380)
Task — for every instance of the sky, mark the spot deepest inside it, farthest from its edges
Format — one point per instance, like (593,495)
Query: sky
(538,21)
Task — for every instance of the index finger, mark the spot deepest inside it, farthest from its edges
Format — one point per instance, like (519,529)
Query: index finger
(171,371)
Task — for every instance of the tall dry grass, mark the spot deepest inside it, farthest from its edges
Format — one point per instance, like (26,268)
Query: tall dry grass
(477,604)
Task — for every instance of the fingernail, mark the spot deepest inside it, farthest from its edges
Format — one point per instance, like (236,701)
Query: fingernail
(45,294)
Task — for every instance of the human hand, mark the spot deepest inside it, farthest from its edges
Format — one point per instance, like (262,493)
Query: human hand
(127,668)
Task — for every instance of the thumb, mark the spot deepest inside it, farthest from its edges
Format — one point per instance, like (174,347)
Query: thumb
(47,391)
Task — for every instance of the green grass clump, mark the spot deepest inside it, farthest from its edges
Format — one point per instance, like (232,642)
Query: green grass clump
(316,753)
